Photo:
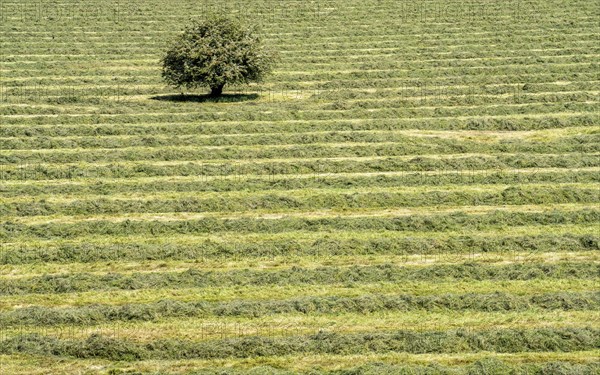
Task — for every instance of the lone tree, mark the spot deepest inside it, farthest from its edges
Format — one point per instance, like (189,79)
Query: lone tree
(216,52)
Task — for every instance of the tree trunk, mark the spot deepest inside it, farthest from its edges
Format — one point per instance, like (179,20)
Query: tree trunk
(216,90)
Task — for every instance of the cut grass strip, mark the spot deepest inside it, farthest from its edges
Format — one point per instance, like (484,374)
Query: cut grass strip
(525,363)
(522,244)
(289,127)
(280,292)
(203,329)
(143,185)
(459,341)
(285,261)
(275,168)
(306,200)
(455,219)
(308,306)
(82,282)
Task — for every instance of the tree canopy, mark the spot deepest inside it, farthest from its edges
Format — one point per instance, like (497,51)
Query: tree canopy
(216,52)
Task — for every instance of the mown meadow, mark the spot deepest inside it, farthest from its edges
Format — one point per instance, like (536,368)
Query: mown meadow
(413,191)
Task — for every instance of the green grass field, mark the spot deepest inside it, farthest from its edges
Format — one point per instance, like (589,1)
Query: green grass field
(413,191)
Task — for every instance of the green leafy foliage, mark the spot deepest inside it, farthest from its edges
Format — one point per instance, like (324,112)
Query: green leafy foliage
(216,52)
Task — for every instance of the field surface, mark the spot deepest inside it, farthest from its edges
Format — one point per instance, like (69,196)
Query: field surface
(414,190)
